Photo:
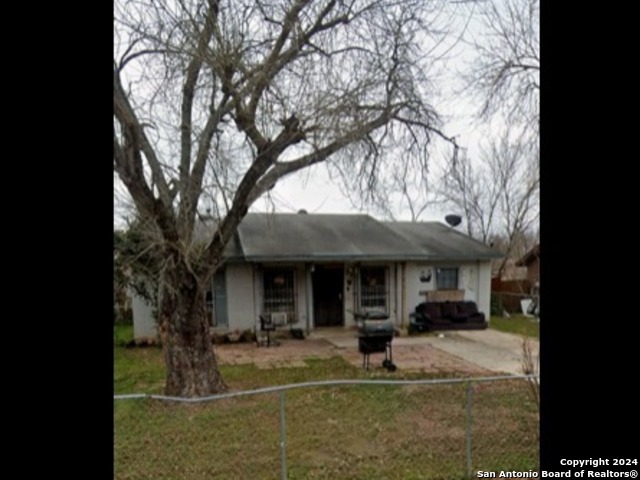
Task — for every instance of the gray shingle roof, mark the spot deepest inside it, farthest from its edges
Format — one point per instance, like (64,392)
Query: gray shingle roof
(316,237)
(203,232)
(441,242)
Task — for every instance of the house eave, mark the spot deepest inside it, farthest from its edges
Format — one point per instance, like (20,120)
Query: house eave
(365,258)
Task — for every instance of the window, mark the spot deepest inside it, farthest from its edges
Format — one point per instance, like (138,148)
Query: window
(279,294)
(373,292)
(447,278)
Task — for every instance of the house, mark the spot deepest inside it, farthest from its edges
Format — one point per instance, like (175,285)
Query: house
(321,270)
(531,260)
(510,270)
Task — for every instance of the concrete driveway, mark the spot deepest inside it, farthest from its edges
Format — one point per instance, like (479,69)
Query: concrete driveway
(488,350)
(491,349)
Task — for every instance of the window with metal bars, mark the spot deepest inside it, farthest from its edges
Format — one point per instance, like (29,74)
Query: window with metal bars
(279,291)
(447,278)
(373,291)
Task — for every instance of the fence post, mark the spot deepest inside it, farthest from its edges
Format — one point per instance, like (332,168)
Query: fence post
(469,429)
(283,437)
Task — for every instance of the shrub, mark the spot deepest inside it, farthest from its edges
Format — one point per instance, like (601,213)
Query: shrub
(247,336)
(496,304)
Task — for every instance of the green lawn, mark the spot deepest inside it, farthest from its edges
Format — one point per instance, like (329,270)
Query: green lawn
(122,334)
(527,326)
(346,432)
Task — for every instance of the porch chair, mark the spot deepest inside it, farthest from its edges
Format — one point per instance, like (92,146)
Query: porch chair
(269,323)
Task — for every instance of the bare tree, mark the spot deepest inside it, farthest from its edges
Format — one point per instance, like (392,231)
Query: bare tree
(503,80)
(215,101)
(505,73)
(517,171)
(403,187)
(471,190)
(497,195)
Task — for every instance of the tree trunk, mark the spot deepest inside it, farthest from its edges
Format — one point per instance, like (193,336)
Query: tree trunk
(192,368)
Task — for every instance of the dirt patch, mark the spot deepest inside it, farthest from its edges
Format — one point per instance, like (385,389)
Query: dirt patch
(289,353)
(292,353)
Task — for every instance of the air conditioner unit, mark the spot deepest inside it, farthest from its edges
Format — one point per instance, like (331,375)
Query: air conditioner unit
(279,318)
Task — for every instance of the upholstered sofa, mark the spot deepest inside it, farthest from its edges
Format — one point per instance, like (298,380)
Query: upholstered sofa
(463,315)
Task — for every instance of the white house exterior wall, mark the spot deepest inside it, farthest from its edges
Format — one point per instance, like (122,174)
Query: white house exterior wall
(415,288)
(394,311)
(144,325)
(474,278)
(484,288)
(348,294)
(244,293)
(301,297)
(469,282)
(241,303)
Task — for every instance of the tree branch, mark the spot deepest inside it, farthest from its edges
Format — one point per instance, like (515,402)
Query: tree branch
(129,123)
(285,168)
(188,203)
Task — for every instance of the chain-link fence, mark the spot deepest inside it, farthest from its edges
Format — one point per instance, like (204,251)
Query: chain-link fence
(346,429)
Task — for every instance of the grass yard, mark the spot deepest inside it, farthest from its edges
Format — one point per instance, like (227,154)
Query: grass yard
(344,432)
(122,334)
(520,324)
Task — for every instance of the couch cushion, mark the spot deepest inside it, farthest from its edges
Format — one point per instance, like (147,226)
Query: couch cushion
(476,318)
(449,309)
(433,309)
(468,307)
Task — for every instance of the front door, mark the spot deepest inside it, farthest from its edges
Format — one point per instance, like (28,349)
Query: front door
(328,303)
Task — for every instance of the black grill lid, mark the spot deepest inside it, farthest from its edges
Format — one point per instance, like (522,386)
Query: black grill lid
(375,327)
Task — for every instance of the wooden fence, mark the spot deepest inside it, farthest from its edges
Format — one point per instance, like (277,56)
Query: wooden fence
(507,294)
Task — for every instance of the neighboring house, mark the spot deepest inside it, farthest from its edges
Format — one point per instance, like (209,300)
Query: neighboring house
(320,270)
(510,270)
(531,260)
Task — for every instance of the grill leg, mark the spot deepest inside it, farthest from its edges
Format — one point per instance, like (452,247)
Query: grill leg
(365,361)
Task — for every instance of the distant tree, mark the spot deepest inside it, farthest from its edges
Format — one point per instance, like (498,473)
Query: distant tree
(498,192)
(137,260)
(406,188)
(498,195)
(505,75)
(503,81)
(216,100)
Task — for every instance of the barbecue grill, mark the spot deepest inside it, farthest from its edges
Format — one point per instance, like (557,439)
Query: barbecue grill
(375,333)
